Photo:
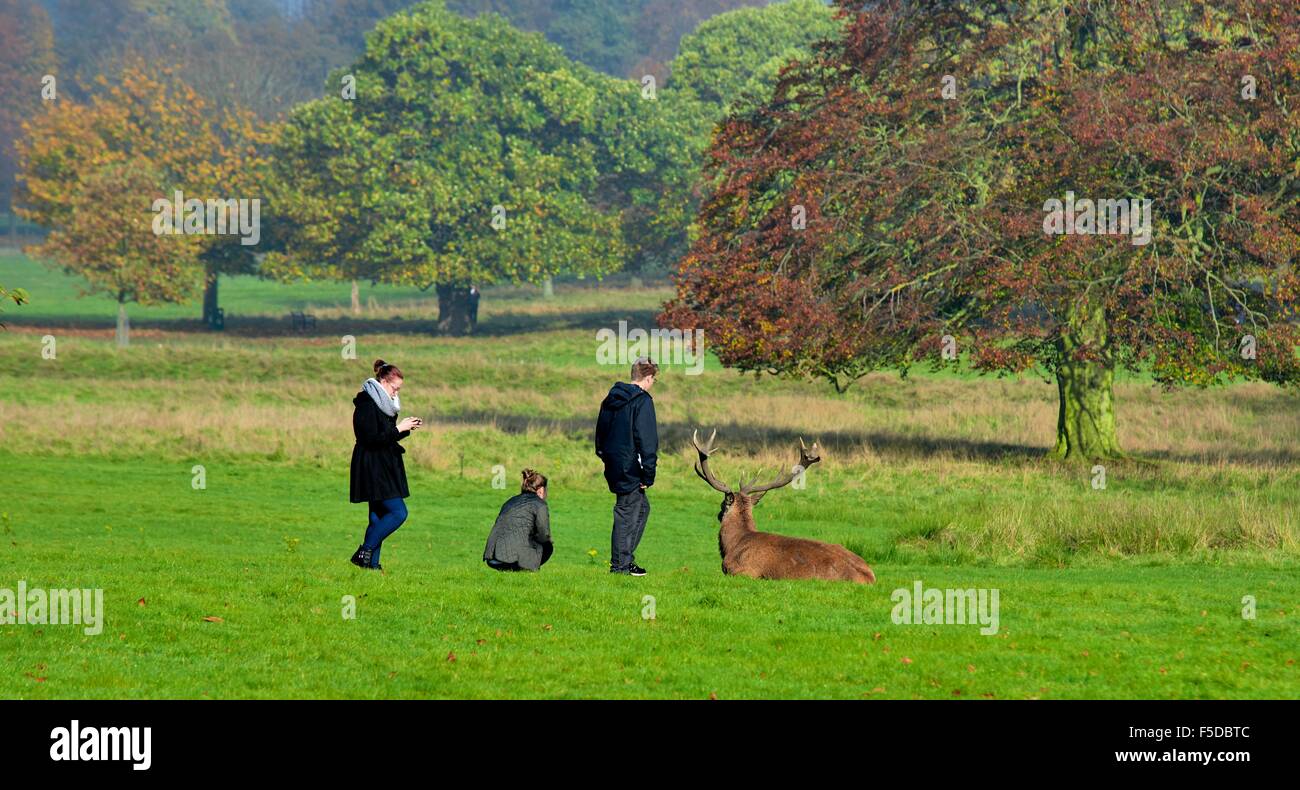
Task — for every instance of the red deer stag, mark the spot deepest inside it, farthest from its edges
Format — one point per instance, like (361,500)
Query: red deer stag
(762,555)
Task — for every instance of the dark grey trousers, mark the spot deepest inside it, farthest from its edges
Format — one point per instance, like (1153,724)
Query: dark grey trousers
(630,514)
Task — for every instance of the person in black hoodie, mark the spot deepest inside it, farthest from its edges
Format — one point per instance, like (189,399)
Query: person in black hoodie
(378,474)
(627,440)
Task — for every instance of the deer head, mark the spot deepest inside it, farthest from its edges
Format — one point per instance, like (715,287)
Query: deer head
(749,492)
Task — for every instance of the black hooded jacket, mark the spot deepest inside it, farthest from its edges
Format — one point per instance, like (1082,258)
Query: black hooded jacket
(377,469)
(627,439)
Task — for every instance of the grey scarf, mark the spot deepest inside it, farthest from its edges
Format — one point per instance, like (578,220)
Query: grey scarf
(387,404)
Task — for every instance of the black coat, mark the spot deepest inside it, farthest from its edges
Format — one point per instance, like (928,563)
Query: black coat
(627,438)
(521,533)
(377,469)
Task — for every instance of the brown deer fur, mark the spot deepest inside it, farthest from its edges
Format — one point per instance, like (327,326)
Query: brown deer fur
(764,555)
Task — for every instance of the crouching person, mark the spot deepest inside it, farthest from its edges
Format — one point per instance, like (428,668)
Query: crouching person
(521,538)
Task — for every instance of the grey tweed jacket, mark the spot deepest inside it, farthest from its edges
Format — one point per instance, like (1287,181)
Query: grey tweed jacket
(522,528)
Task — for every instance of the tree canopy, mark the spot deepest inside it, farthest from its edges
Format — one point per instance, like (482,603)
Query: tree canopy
(738,55)
(472,153)
(91,172)
(891,201)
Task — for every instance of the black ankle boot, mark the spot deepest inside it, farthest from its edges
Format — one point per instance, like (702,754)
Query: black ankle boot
(362,558)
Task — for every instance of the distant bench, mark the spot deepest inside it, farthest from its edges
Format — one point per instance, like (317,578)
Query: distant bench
(302,321)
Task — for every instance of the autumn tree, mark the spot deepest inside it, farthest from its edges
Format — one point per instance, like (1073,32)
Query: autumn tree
(91,172)
(470,153)
(904,196)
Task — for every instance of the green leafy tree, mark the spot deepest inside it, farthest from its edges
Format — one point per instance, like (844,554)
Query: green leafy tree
(738,56)
(730,61)
(623,38)
(473,153)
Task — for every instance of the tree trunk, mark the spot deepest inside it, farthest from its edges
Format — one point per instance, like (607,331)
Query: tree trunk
(1085,379)
(210,299)
(356,299)
(123,326)
(453,310)
(548,288)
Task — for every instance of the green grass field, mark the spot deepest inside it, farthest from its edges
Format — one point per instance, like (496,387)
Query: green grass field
(238,589)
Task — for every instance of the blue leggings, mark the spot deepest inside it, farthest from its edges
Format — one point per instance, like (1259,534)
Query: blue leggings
(385,517)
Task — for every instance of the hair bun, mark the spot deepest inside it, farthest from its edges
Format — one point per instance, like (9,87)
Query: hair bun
(379,363)
(533,480)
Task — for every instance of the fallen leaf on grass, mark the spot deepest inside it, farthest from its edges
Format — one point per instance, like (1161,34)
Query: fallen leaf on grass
(213,619)
(451,658)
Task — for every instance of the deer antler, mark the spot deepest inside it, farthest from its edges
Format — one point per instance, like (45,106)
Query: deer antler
(702,466)
(807,457)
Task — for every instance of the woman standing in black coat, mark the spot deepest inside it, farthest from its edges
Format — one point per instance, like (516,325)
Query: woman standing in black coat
(378,474)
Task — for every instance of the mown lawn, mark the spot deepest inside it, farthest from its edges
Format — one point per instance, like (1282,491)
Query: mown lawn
(1131,590)
(264,549)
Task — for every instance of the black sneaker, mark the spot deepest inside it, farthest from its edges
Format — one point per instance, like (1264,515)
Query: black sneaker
(636,570)
(361,558)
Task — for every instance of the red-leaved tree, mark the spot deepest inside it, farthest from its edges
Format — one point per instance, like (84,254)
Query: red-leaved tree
(1074,186)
